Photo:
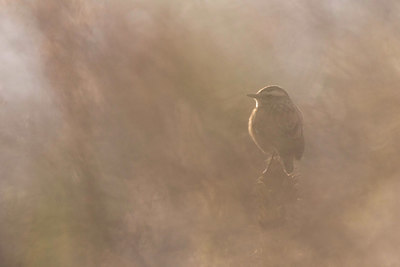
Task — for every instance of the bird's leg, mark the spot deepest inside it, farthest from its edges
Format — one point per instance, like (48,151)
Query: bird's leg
(269,161)
(291,175)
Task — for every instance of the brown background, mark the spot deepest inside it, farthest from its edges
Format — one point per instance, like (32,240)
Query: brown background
(123,130)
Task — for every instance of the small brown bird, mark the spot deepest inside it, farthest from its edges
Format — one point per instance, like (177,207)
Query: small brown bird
(276,126)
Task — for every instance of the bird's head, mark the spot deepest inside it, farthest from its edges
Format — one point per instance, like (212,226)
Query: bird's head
(268,95)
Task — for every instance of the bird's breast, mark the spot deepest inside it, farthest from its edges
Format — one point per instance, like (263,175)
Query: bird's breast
(259,129)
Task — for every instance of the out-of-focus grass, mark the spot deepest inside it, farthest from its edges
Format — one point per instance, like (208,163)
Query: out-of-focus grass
(124,132)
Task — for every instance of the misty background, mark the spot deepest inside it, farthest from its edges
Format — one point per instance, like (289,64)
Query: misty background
(123,130)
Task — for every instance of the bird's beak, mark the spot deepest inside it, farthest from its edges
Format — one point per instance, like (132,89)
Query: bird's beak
(252,95)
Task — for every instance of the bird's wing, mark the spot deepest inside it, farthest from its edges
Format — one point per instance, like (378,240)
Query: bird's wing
(290,125)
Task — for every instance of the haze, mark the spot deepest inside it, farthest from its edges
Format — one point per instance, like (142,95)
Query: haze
(124,132)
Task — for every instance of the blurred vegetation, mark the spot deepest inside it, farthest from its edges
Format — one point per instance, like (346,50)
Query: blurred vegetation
(124,132)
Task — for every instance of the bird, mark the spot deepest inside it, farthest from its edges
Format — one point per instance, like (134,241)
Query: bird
(276,127)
